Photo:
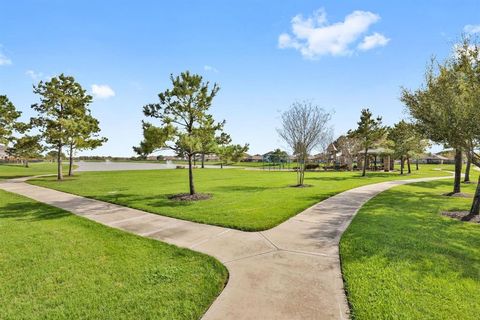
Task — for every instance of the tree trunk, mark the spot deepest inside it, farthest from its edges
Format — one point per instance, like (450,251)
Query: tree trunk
(26,163)
(190,175)
(203,160)
(408,165)
(70,161)
(365,162)
(303,170)
(458,171)
(59,163)
(416,163)
(467,169)
(402,164)
(475,209)
(298,172)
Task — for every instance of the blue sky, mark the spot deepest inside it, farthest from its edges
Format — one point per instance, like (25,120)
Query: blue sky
(343,55)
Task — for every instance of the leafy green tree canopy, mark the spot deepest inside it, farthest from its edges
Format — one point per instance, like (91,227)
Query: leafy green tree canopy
(63,104)
(184,119)
(26,147)
(8,119)
(369,132)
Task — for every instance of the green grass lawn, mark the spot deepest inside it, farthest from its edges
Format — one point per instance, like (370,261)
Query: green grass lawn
(54,265)
(242,199)
(14,170)
(402,260)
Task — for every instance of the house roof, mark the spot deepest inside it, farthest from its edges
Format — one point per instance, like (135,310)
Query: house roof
(377,151)
(331,147)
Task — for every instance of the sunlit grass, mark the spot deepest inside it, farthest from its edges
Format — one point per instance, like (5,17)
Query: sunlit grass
(54,265)
(241,199)
(402,260)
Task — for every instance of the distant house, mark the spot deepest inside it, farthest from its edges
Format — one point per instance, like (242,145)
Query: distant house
(319,157)
(332,153)
(254,158)
(436,159)
(172,158)
(211,157)
(152,158)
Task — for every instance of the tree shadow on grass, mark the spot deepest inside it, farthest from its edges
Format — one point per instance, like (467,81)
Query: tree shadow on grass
(329,178)
(156,201)
(247,188)
(31,211)
(4,177)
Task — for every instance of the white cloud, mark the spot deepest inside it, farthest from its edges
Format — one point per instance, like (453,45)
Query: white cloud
(315,36)
(34,75)
(210,68)
(4,60)
(472,28)
(373,41)
(102,91)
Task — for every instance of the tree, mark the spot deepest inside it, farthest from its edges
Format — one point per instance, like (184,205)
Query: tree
(62,105)
(183,116)
(433,110)
(278,156)
(369,132)
(144,149)
(438,108)
(305,127)
(231,153)
(447,106)
(407,142)
(209,141)
(466,66)
(52,155)
(469,156)
(26,148)
(8,120)
(84,136)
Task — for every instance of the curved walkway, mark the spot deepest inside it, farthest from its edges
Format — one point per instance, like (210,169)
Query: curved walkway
(289,272)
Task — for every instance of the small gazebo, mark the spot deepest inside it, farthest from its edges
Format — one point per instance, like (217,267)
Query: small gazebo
(378,159)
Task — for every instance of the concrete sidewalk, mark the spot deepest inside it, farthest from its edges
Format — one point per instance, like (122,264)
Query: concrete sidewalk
(289,272)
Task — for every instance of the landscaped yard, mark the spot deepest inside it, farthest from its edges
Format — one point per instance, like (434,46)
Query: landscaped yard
(242,199)
(402,260)
(14,170)
(54,265)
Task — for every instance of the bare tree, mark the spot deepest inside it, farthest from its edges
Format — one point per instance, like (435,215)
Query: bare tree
(305,127)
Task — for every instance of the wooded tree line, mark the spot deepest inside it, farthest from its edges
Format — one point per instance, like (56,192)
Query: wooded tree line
(64,122)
